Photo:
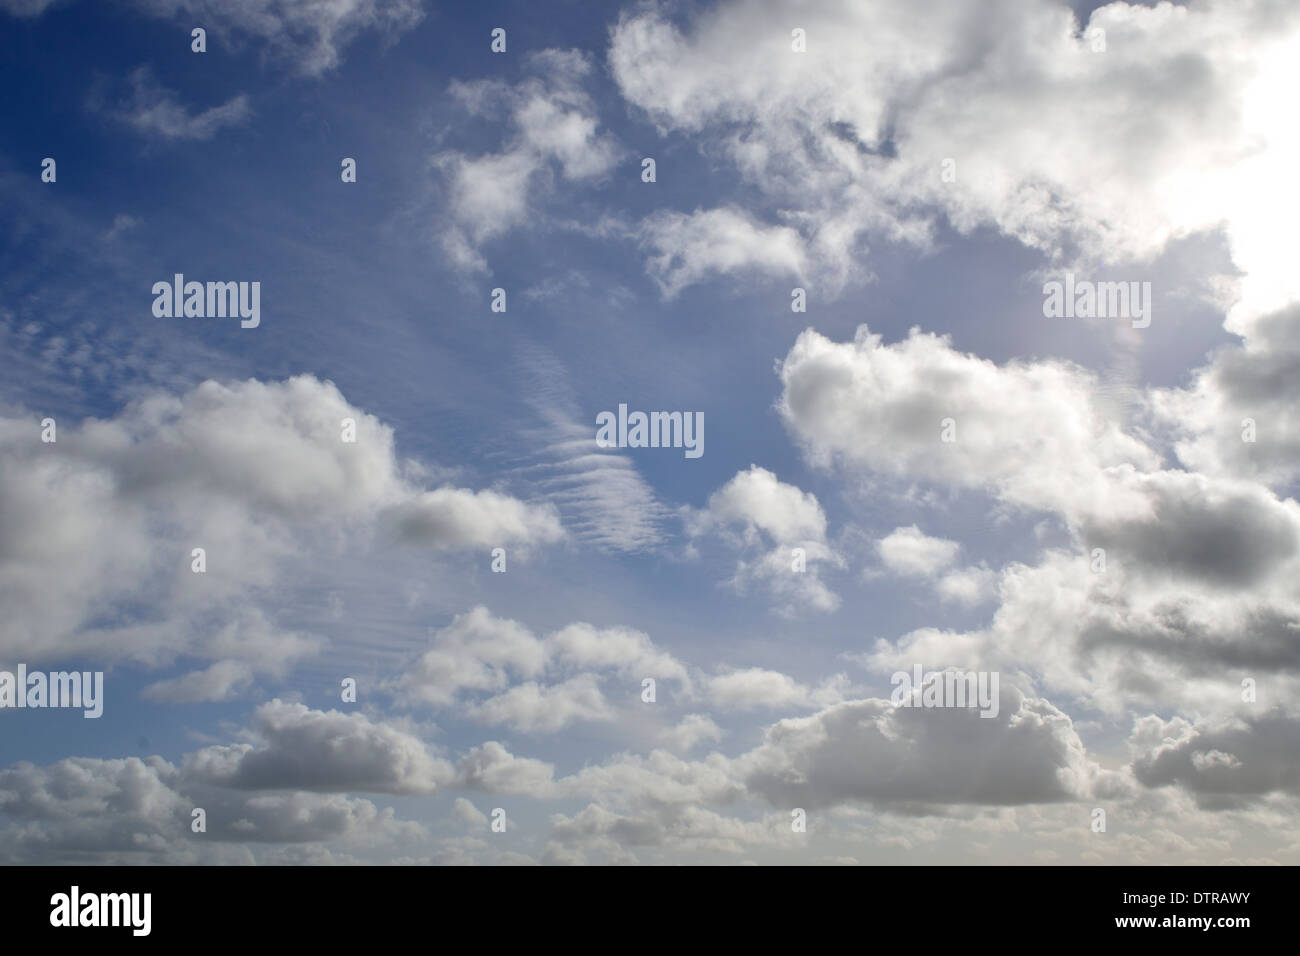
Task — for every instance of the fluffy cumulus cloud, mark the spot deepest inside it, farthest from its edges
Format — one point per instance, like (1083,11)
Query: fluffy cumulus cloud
(1235,419)
(911,552)
(501,673)
(1029,432)
(298,748)
(1119,639)
(847,148)
(1179,582)
(968,586)
(753,688)
(107,517)
(873,752)
(686,248)
(1175,574)
(779,533)
(554,131)
(472,519)
(1222,761)
(490,767)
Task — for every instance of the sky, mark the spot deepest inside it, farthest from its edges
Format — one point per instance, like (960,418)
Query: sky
(429,594)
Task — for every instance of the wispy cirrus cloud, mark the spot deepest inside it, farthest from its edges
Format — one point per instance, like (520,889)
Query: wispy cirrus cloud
(156,112)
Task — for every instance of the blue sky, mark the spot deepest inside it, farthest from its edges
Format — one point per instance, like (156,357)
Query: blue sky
(1150,160)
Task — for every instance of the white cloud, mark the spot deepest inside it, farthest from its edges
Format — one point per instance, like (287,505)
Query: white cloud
(766,520)
(1029,432)
(498,672)
(1235,418)
(871,751)
(759,501)
(754,688)
(553,127)
(687,248)
(155,111)
(690,731)
(254,473)
(909,551)
(968,586)
(629,652)
(491,768)
(475,652)
(473,519)
(534,708)
(469,814)
(850,148)
(312,35)
(297,748)
(219,681)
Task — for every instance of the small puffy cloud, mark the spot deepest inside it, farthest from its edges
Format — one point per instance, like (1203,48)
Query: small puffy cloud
(1235,418)
(622,649)
(690,731)
(460,517)
(686,247)
(1029,432)
(492,768)
(780,534)
(219,681)
(968,586)
(83,808)
(553,128)
(535,708)
(325,751)
(849,149)
(477,652)
(498,672)
(758,501)
(489,197)
(467,813)
(754,688)
(910,551)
